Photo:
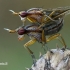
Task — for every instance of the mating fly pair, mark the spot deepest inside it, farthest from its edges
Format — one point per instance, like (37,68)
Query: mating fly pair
(46,22)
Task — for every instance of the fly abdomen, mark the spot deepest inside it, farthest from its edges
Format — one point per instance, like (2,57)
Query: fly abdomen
(53,28)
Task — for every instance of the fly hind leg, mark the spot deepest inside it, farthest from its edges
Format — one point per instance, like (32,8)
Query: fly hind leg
(63,42)
(56,36)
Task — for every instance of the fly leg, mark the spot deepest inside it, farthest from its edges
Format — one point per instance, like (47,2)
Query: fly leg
(56,36)
(46,18)
(26,46)
(43,35)
(49,17)
(63,41)
(43,40)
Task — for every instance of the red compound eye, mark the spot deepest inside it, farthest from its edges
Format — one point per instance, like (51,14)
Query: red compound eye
(23,14)
(21,31)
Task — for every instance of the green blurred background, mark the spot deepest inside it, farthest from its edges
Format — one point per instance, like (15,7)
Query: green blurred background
(12,50)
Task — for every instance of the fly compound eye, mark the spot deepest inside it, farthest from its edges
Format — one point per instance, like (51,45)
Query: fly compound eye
(21,31)
(23,13)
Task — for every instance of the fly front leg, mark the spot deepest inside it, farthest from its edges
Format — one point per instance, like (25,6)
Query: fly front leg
(56,36)
(26,46)
(32,41)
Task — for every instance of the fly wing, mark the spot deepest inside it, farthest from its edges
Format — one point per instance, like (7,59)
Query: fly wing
(34,9)
(55,14)
(61,11)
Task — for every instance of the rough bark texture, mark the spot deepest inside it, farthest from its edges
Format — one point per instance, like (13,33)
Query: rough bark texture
(54,59)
